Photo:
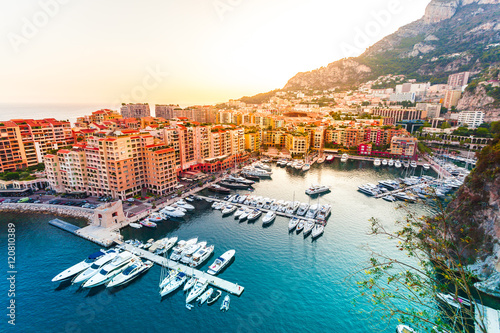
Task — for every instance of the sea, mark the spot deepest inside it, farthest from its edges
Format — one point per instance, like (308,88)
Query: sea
(292,283)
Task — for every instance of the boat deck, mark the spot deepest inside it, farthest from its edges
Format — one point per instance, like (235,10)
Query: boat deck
(261,209)
(215,281)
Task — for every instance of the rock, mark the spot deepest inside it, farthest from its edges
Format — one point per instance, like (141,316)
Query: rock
(438,11)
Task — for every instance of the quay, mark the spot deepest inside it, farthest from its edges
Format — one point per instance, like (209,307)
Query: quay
(215,281)
(262,209)
(64,226)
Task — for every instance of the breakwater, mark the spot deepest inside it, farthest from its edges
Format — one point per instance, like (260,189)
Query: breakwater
(62,211)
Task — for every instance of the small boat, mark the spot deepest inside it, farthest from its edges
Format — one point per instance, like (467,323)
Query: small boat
(191,282)
(426,166)
(215,296)
(155,217)
(390,163)
(306,167)
(404,329)
(183,204)
(413,164)
(180,247)
(308,228)
(240,211)
(317,189)
(293,223)
(221,262)
(173,284)
(198,288)
(406,164)
(269,217)
(80,267)
(377,162)
(300,226)
(225,304)
(187,254)
(317,230)
(148,224)
(218,188)
(384,162)
(245,214)
(397,164)
(389,198)
(200,256)
(321,160)
(329,158)
(133,270)
(135,225)
(172,212)
(95,267)
(204,297)
(344,158)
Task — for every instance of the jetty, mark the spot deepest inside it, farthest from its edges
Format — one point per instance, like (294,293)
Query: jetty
(71,228)
(215,281)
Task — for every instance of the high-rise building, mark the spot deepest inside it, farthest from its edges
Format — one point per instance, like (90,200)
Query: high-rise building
(471,118)
(433,109)
(400,114)
(451,98)
(165,111)
(12,154)
(135,110)
(458,79)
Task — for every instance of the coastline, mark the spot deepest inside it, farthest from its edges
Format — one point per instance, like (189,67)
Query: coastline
(74,212)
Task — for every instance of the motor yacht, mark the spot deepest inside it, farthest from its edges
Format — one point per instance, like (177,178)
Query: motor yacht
(413,164)
(187,254)
(254,215)
(317,189)
(132,271)
(200,256)
(293,223)
(344,158)
(181,246)
(95,267)
(397,164)
(239,211)
(80,267)
(426,166)
(324,212)
(155,217)
(219,263)
(300,226)
(218,188)
(245,214)
(111,269)
(191,282)
(389,198)
(197,290)
(384,162)
(317,230)
(377,162)
(135,225)
(390,163)
(148,224)
(229,209)
(303,208)
(183,204)
(306,167)
(172,212)
(173,284)
(404,329)
(313,210)
(269,217)
(329,158)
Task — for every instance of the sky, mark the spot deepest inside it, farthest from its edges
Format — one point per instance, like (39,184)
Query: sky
(183,52)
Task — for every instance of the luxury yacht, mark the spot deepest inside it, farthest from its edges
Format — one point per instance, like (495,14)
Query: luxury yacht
(183,204)
(133,270)
(303,209)
(95,267)
(308,228)
(269,217)
(293,223)
(173,284)
(397,164)
(254,215)
(171,211)
(317,189)
(317,230)
(187,254)
(229,209)
(221,262)
(197,290)
(377,162)
(200,256)
(391,162)
(181,246)
(111,269)
(313,210)
(81,266)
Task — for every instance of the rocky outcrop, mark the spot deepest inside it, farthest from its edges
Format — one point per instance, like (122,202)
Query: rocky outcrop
(475,213)
(441,10)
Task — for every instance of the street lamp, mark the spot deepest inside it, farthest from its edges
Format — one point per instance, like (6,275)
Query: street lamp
(467,161)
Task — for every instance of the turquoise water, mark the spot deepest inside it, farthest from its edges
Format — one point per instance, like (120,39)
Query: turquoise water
(291,284)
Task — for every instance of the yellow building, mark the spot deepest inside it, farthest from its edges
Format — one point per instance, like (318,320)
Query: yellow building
(297,143)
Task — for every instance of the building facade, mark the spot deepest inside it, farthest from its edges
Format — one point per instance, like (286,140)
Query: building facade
(135,110)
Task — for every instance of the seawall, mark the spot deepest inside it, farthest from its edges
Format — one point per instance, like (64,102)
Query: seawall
(62,211)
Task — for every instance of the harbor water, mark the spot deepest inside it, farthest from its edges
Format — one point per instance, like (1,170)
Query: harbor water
(292,283)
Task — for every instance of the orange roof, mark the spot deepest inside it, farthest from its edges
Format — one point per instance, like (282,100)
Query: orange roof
(63,151)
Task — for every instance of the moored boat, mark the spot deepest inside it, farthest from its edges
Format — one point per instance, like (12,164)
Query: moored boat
(132,271)
(80,267)
(215,296)
(173,284)
(219,263)
(317,230)
(225,304)
(308,228)
(110,270)
(206,295)
(269,217)
(198,288)
(148,224)
(293,223)
(317,189)
(95,267)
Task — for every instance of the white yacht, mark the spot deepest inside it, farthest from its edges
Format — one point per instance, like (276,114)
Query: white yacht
(191,282)
(300,226)
(384,162)
(133,270)
(317,189)
(167,244)
(197,290)
(303,208)
(308,228)
(389,198)
(200,256)
(245,214)
(221,262)
(426,166)
(229,209)
(293,223)
(324,212)
(95,267)
(174,283)
(155,217)
(269,217)
(240,211)
(225,304)
(81,266)
(181,246)
(413,164)
(187,254)
(254,215)
(171,211)
(344,158)
(313,210)
(206,295)
(377,162)
(317,230)
(183,204)
(110,270)
(397,164)
(306,167)
(390,163)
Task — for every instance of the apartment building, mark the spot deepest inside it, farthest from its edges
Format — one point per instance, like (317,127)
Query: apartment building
(135,110)
(12,153)
(165,111)
(471,118)
(403,146)
(396,115)
(458,79)
(40,136)
(252,141)
(298,143)
(161,174)
(97,117)
(451,98)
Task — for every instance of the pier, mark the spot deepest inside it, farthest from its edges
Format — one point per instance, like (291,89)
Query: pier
(215,281)
(71,228)
(262,209)
(406,188)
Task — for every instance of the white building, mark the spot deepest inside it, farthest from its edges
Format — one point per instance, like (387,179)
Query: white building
(471,118)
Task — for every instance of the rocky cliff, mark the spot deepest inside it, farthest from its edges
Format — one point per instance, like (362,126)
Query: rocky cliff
(475,213)
(452,36)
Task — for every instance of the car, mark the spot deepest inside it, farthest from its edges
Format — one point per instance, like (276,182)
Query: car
(37,201)
(130,199)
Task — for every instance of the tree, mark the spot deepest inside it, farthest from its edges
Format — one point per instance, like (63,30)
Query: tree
(11,176)
(409,289)
(445,125)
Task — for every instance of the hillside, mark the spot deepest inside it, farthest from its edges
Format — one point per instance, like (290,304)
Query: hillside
(453,36)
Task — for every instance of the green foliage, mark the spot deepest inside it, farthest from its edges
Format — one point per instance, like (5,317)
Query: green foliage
(259,98)
(11,176)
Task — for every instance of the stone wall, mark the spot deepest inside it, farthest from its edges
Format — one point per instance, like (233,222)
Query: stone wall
(77,212)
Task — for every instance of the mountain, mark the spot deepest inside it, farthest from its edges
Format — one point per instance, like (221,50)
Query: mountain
(452,36)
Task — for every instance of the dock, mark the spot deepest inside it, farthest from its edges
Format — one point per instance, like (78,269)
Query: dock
(71,228)
(406,188)
(215,281)
(261,209)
